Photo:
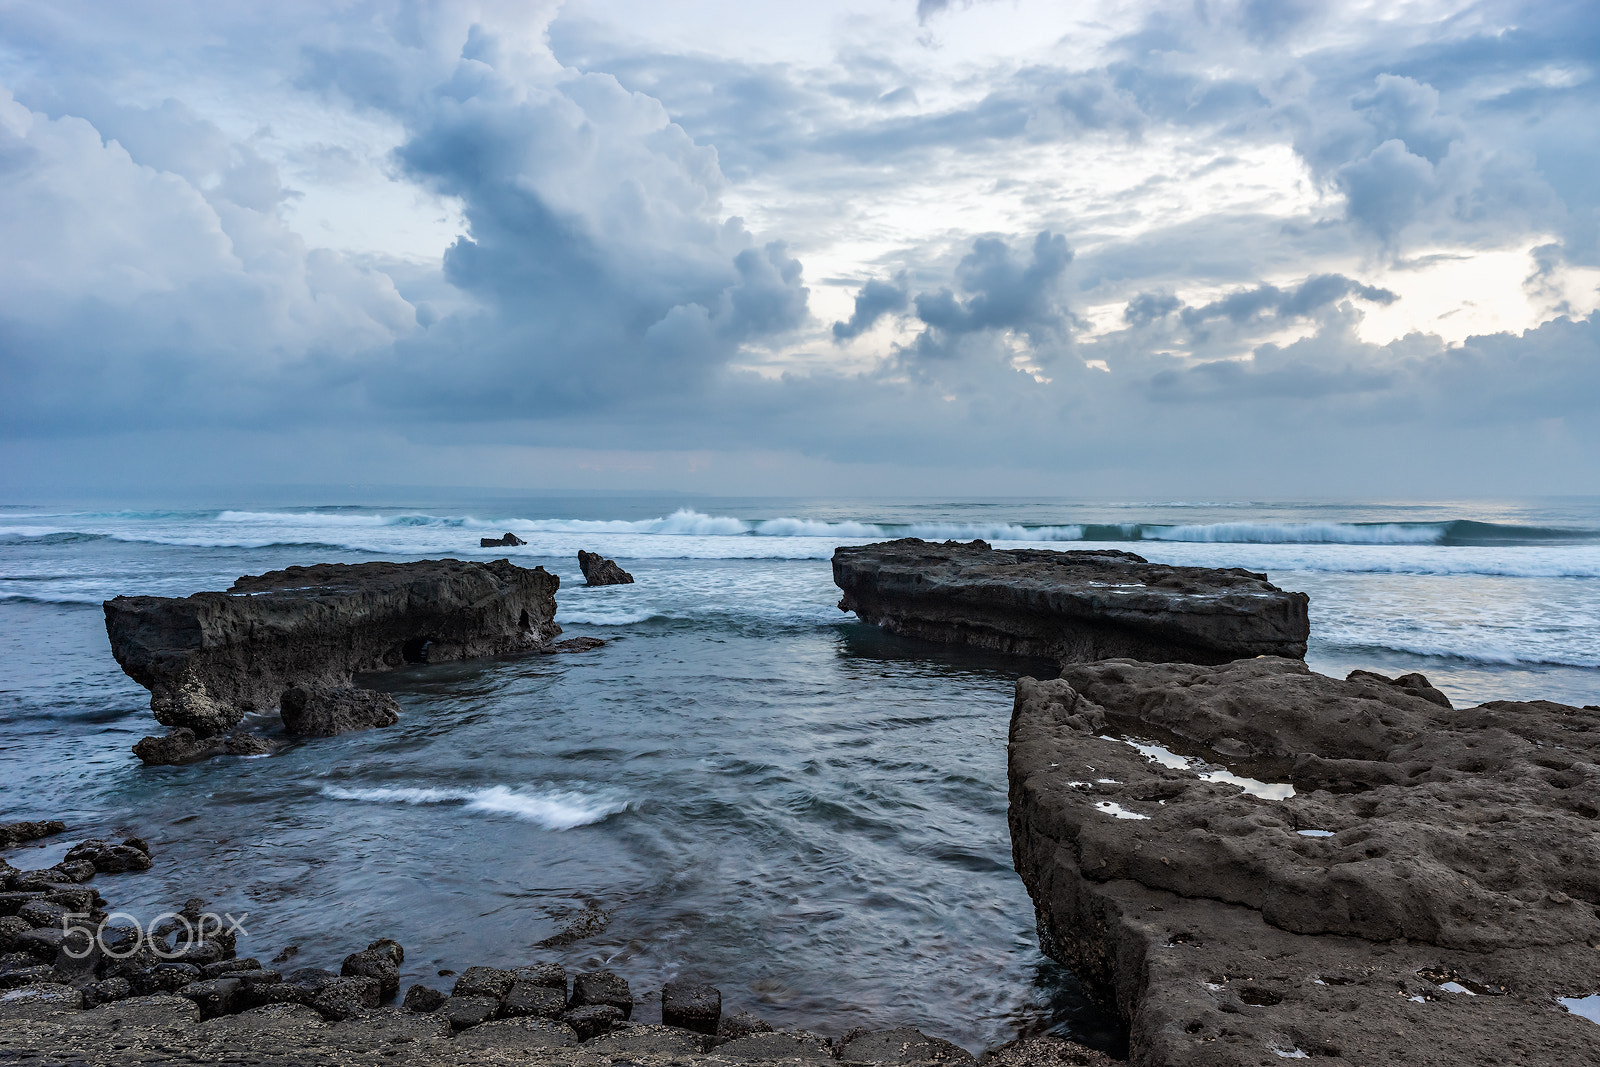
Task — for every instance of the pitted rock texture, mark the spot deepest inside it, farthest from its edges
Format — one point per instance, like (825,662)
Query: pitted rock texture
(1423,845)
(1069,606)
(597,570)
(210,658)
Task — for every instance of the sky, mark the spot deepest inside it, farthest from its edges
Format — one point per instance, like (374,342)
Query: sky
(1245,248)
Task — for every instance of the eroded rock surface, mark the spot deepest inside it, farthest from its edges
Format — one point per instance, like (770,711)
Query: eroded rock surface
(597,570)
(1070,606)
(296,638)
(1425,849)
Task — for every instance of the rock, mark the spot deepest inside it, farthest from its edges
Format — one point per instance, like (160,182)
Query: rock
(42,913)
(12,928)
(597,570)
(692,1006)
(380,1027)
(525,998)
(326,712)
(343,997)
(1424,849)
(1070,606)
(13,902)
(210,658)
(593,1020)
(518,1034)
(902,1045)
(1046,1052)
(778,1045)
(41,1000)
(550,975)
(741,1024)
(106,991)
(602,987)
(15,833)
(165,978)
(230,968)
(389,947)
(469,1011)
(420,998)
(160,1013)
(510,540)
(648,1041)
(1416,684)
(43,944)
(33,974)
(215,996)
(483,982)
(572,644)
(176,748)
(375,963)
(108,858)
(272,1020)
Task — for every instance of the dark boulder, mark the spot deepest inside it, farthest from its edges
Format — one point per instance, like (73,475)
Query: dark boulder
(902,1045)
(15,833)
(215,996)
(1311,863)
(741,1024)
(597,570)
(593,1020)
(483,982)
(602,987)
(692,1006)
(377,964)
(469,1011)
(210,658)
(510,540)
(343,997)
(1069,606)
(109,858)
(526,998)
(421,998)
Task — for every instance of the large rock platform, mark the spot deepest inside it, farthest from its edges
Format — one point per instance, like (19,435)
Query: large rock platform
(1075,606)
(296,638)
(1424,897)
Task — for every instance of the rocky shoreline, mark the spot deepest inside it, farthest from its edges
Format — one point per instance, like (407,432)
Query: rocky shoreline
(74,990)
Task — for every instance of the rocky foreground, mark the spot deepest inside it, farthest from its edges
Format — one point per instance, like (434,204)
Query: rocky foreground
(1069,606)
(293,641)
(1424,896)
(76,990)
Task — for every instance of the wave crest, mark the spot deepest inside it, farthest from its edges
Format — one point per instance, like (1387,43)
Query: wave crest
(551,809)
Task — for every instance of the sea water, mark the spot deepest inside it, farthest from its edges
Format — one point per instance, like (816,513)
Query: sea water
(751,786)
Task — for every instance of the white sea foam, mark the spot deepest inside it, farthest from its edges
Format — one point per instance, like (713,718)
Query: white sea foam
(1299,533)
(551,809)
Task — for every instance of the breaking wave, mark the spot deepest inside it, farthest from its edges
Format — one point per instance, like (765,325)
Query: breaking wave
(551,809)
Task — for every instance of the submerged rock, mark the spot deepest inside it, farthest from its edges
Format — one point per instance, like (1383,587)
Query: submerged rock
(14,833)
(597,570)
(510,540)
(1418,853)
(296,638)
(1070,606)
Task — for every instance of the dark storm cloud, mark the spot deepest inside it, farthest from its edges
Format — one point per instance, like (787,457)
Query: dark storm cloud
(875,300)
(1308,297)
(1002,291)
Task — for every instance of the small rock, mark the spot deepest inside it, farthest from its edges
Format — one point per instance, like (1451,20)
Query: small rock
(469,1011)
(326,712)
(107,991)
(274,1019)
(592,1021)
(343,997)
(389,947)
(741,1024)
(373,1028)
(602,987)
(1046,1052)
(42,913)
(37,1002)
(420,998)
(165,978)
(176,748)
(215,996)
(483,982)
(597,570)
(14,901)
(312,978)
(692,1006)
(161,1012)
(108,858)
(14,833)
(526,998)
(246,744)
(228,967)
(43,943)
(33,974)
(550,975)
(376,964)
(510,540)
(12,928)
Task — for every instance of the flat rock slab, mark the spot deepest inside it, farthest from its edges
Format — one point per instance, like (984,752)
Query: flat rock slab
(1069,606)
(210,658)
(1422,891)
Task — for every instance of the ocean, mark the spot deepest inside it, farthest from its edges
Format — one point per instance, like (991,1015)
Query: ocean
(750,786)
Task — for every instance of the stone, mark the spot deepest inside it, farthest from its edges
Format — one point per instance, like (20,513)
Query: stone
(215,996)
(43,943)
(602,987)
(469,1011)
(15,833)
(378,964)
(42,913)
(902,1045)
(483,982)
(343,997)
(1425,851)
(14,901)
(42,1000)
(597,570)
(420,998)
(1068,606)
(593,1020)
(526,998)
(550,975)
(107,991)
(741,1024)
(389,947)
(1046,1052)
(165,978)
(327,712)
(514,1034)
(33,974)
(160,1012)
(271,1020)
(108,858)
(377,1027)
(229,968)
(210,658)
(648,1041)
(692,1006)
(778,1045)
(510,540)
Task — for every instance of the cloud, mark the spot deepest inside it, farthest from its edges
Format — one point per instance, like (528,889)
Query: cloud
(1310,296)
(1003,291)
(875,300)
